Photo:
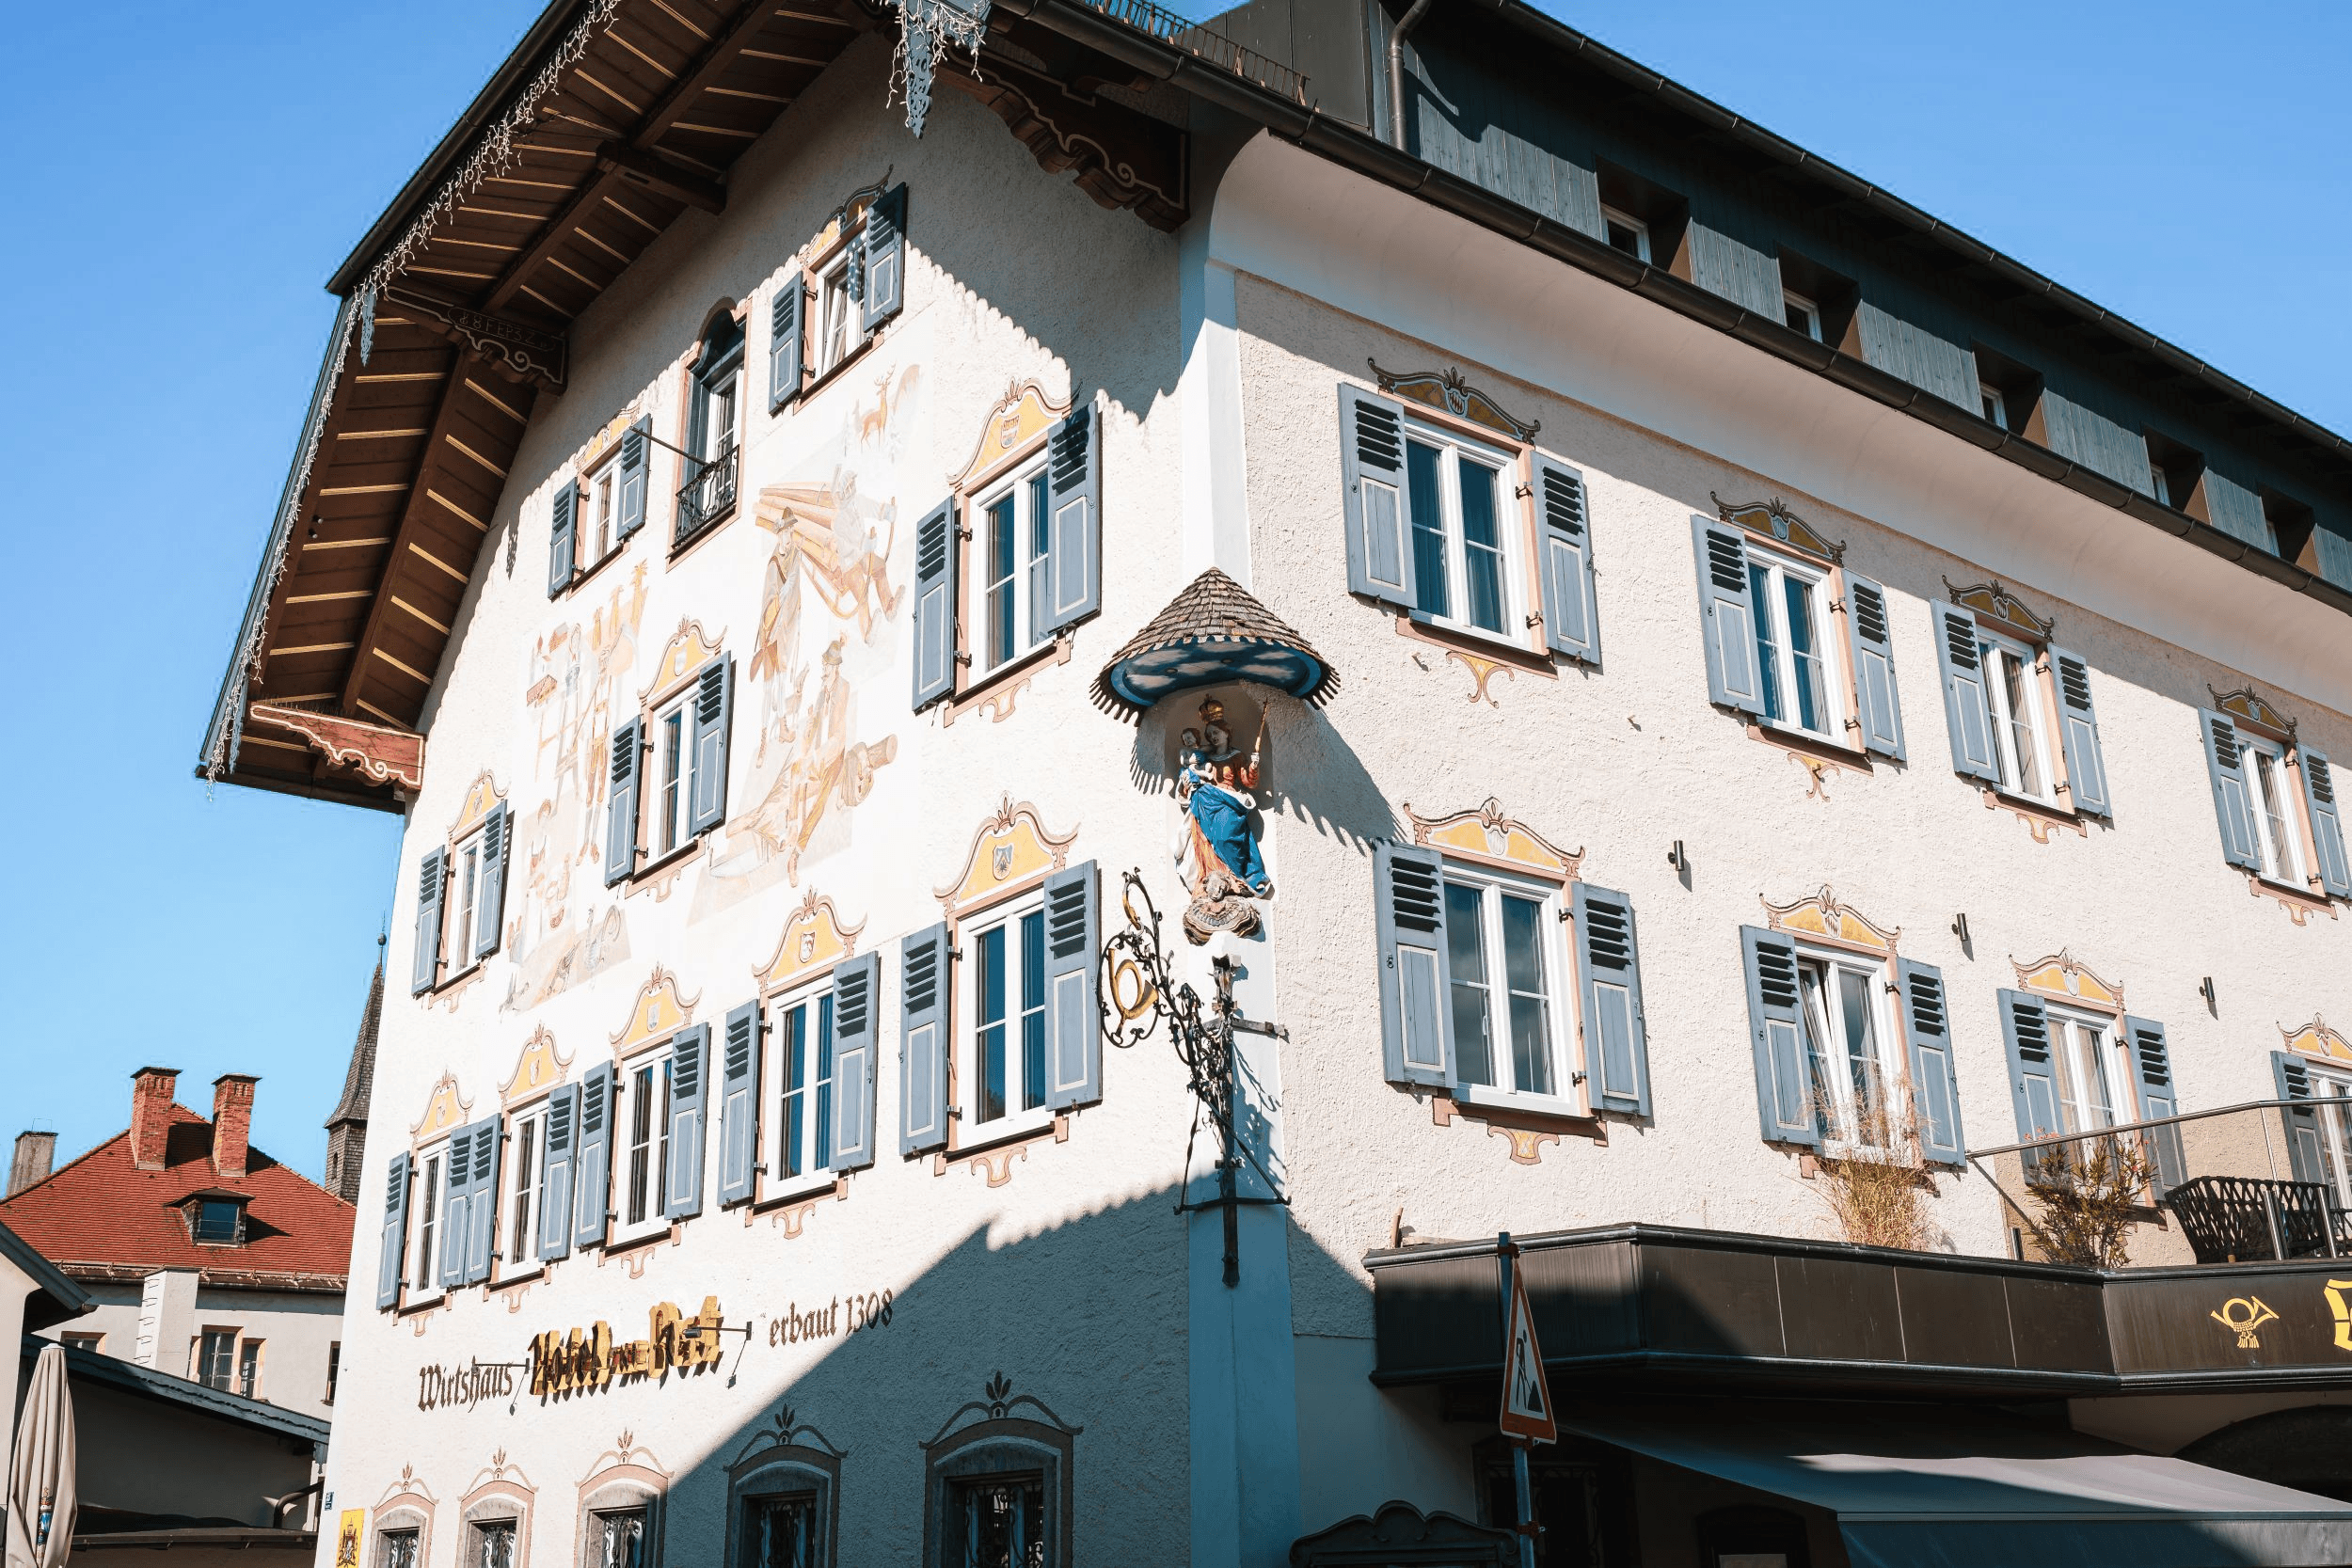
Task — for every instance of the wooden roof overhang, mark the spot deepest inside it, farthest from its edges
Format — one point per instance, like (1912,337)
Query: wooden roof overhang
(609,119)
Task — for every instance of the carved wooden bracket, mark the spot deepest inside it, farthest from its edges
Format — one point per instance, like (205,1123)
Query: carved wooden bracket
(386,754)
(1122,157)
(514,351)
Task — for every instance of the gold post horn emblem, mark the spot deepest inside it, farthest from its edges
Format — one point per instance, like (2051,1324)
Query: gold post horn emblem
(2243,1315)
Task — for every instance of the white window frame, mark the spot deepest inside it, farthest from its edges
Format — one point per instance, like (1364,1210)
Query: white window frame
(971,939)
(479,1534)
(465,889)
(1831,1060)
(1996,406)
(1771,613)
(647,1070)
(1995,652)
(252,1372)
(1569,1094)
(427,1226)
(2082,1042)
(721,436)
(2331,1096)
(1807,312)
(202,1371)
(829,291)
(521,1176)
(775,1120)
(1511,530)
(666,798)
(592,1548)
(1024,484)
(1635,229)
(2278,840)
(597,529)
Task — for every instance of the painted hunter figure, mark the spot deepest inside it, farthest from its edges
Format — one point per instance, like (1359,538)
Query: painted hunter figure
(1217,849)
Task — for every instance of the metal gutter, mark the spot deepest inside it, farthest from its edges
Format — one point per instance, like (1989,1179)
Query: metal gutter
(72,1300)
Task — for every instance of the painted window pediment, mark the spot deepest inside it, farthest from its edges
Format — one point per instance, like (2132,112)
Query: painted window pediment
(2062,974)
(1488,834)
(538,1069)
(1823,915)
(1995,604)
(659,1011)
(2316,1039)
(445,1111)
(2248,706)
(688,649)
(1450,392)
(1773,520)
(814,939)
(1011,850)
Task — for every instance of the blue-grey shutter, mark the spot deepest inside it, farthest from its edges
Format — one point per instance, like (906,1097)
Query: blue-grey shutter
(2152,1068)
(481,1201)
(555,1182)
(592,1162)
(1372,476)
(620,833)
(394,1244)
(1727,617)
(1564,542)
(1073,1033)
(636,463)
(1880,709)
(457,1202)
(690,1070)
(739,1105)
(2319,793)
(786,356)
(2079,733)
(1609,966)
(935,556)
(1074,539)
(1784,1072)
(1966,713)
(497,835)
(561,514)
(856,1014)
(714,718)
(431,877)
(2293,1080)
(885,253)
(1934,1084)
(2032,1076)
(923,1041)
(2231,802)
(1408,898)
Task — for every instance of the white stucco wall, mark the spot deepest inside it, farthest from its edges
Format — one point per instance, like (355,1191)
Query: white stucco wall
(296,1330)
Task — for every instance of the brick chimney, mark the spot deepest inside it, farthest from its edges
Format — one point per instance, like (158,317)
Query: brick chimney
(233,1123)
(151,1114)
(35,1152)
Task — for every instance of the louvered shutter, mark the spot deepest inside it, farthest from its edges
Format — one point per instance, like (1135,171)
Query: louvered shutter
(1372,476)
(592,1160)
(457,1202)
(1408,897)
(1934,1083)
(497,835)
(1879,710)
(2226,769)
(856,1009)
(2319,794)
(739,1105)
(1073,1034)
(1784,1071)
(1609,966)
(2032,1076)
(1727,617)
(555,1185)
(923,1042)
(714,718)
(2152,1068)
(786,356)
(394,1243)
(2078,735)
(562,512)
(2293,1081)
(935,574)
(1564,542)
(885,251)
(1966,715)
(1074,540)
(431,877)
(690,1070)
(482,1199)
(636,466)
(620,832)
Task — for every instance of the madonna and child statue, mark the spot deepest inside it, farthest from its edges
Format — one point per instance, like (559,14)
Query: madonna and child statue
(1216,846)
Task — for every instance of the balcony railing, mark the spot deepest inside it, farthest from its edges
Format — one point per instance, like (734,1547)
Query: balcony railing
(1206,44)
(2255,1182)
(709,495)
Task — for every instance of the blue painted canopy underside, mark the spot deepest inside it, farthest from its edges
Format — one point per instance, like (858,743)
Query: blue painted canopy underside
(1145,677)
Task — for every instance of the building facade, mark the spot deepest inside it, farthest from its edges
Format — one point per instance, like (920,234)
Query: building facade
(1670,705)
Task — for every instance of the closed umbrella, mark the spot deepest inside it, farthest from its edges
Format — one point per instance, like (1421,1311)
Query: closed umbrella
(41,1487)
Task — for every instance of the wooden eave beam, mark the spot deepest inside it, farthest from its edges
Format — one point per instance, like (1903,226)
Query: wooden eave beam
(648,172)
(735,36)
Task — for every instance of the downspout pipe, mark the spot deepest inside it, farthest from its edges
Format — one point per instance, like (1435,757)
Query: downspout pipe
(1406,24)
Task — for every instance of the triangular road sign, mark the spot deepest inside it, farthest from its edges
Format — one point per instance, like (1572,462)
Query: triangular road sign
(1526,1398)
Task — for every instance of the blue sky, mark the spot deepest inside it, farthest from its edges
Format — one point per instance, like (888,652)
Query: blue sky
(188,176)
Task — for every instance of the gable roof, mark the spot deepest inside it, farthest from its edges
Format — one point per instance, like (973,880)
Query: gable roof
(100,1217)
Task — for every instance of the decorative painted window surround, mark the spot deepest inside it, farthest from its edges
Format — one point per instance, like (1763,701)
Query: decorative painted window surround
(461,893)
(1439,482)
(2019,711)
(836,294)
(500,1496)
(624,1480)
(592,516)
(713,378)
(2274,797)
(406,1507)
(2079,1060)
(788,1461)
(529,1099)
(2316,1066)
(985,1447)
(658,1093)
(414,1250)
(796,1068)
(667,765)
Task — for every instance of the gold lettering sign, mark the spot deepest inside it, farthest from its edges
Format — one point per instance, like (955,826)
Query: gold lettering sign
(2336,1304)
(577,1361)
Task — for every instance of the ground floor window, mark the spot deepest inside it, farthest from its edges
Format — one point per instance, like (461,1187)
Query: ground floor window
(1002,1522)
(396,1548)
(1581,1500)
(781,1531)
(617,1539)
(493,1544)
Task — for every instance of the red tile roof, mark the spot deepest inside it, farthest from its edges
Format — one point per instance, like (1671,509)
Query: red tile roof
(101,1216)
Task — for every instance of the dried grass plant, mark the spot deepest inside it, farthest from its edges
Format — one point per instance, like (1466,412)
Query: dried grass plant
(1878,1189)
(2089,1195)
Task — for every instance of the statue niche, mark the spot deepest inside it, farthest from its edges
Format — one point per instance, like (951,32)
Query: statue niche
(1216,848)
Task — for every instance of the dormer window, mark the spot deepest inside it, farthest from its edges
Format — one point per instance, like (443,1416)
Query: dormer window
(1626,232)
(1802,314)
(216,1220)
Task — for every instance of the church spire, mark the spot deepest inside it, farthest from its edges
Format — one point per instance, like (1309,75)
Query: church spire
(348,1126)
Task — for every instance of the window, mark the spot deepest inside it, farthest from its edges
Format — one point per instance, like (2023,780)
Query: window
(493,1544)
(217,1358)
(803,1029)
(424,1258)
(1500,967)
(1012,553)
(2276,799)
(2093,1071)
(616,1538)
(1626,232)
(461,895)
(466,884)
(672,758)
(334,1369)
(781,1533)
(713,434)
(218,1221)
(1001,1521)
(525,1157)
(249,1368)
(2018,707)
(2276,840)
(396,1548)
(590,517)
(836,314)
(1462,571)
(1848,1046)
(668,784)
(2334,1116)
(1004,1037)
(1798,685)
(1996,405)
(1802,314)
(2020,727)
(644,1161)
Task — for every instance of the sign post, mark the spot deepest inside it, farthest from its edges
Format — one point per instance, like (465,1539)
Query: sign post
(1526,1419)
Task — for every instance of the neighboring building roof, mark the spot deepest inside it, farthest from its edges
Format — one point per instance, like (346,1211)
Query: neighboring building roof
(60,1298)
(102,1217)
(89,1366)
(360,1081)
